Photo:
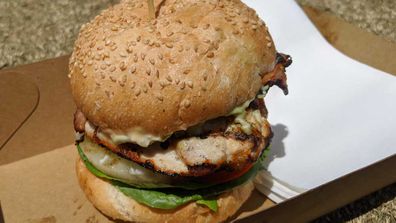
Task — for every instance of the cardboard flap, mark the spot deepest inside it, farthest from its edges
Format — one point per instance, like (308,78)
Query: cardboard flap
(19,97)
(355,42)
(50,125)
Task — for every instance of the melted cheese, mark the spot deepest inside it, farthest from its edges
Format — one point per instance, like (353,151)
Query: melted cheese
(134,135)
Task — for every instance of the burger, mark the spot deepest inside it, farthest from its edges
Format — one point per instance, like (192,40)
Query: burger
(171,123)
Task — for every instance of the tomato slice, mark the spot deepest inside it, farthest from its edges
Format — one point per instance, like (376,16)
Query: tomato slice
(225,176)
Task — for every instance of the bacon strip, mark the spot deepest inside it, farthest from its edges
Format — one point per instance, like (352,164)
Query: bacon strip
(278,76)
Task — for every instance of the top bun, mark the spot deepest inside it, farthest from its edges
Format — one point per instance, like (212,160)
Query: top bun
(196,61)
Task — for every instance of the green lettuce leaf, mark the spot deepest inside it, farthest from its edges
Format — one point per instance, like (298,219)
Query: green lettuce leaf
(161,200)
(170,198)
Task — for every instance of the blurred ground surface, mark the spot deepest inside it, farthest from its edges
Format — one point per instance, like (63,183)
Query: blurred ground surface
(33,30)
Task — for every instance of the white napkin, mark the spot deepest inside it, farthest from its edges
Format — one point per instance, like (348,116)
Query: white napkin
(339,115)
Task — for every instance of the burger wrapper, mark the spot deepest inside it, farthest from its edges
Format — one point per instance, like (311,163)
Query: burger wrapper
(38,181)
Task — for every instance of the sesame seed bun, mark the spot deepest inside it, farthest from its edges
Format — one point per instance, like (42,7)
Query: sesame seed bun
(196,61)
(116,205)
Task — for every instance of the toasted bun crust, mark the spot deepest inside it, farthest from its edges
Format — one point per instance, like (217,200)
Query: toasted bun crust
(116,205)
(196,61)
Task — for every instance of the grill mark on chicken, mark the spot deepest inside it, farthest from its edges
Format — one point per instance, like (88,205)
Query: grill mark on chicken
(250,149)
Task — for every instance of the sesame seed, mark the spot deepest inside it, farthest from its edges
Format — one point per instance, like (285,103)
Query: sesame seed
(170,33)
(103,66)
(135,58)
(269,45)
(122,54)
(235,32)
(268,38)
(133,85)
(148,71)
(132,70)
(112,78)
(150,83)
(186,71)
(122,65)
(99,48)
(190,84)
(182,85)
(152,61)
(169,45)
(245,20)
(102,75)
(142,55)
(114,28)
(206,26)
(123,78)
(160,56)
(138,38)
(210,55)
(181,48)
(216,45)
(187,103)
(146,41)
(204,88)
(107,42)
(90,62)
(169,78)
(172,61)
(129,49)
(84,75)
(108,63)
(162,83)
(133,43)
(137,92)
(157,73)
(177,81)
(205,77)
(254,27)
(145,89)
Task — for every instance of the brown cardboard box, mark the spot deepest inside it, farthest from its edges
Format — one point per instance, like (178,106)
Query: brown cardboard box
(38,183)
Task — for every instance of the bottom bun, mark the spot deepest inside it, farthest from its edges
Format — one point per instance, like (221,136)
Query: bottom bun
(116,205)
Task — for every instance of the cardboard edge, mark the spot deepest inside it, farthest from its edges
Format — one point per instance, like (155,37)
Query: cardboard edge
(352,41)
(316,202)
